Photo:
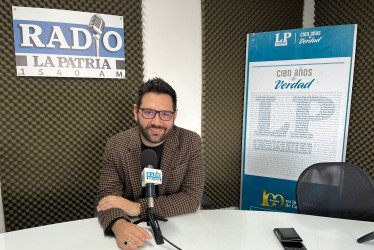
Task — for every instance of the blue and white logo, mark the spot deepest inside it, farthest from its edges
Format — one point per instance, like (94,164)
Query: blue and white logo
(154,175)
(64,43)
(282,40)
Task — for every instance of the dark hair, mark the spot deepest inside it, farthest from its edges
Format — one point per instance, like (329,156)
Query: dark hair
(159,86)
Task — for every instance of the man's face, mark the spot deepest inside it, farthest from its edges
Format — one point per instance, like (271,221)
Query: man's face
(154,131)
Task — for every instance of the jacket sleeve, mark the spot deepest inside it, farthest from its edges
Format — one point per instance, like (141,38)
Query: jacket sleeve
(111,183)
(188,197)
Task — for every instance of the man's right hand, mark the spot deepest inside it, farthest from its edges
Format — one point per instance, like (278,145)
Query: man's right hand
(132,234)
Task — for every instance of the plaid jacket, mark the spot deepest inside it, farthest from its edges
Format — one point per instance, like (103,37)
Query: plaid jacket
(182,174)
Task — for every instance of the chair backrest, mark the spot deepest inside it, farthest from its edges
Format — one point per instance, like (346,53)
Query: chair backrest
(336,189)
(2,220)
(205,203)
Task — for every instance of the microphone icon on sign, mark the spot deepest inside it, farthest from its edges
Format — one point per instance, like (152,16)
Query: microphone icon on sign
(96,26)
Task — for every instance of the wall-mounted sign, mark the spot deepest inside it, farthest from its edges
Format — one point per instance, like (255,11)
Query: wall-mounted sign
(62,43)
(297,100)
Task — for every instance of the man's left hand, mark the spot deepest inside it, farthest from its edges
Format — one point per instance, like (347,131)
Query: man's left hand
(111,201)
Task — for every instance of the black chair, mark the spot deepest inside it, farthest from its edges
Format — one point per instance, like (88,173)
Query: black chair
(205,203)
(336,189)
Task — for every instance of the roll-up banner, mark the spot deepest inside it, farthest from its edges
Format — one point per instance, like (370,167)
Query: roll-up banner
(298,87)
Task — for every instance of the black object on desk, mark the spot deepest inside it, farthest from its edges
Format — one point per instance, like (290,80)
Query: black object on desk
(366,237)
(289,238)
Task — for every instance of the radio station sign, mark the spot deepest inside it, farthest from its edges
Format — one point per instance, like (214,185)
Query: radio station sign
(62,43)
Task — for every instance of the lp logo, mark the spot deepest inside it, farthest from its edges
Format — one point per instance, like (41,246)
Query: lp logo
(273,199)
(282,42)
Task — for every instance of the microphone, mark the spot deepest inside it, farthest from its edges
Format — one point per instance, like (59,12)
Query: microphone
(96,26)
(150,178)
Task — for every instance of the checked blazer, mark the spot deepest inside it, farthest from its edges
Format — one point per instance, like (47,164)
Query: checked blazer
(182,168)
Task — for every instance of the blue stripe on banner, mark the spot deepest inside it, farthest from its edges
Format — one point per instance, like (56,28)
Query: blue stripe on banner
(335,42)
(263,193)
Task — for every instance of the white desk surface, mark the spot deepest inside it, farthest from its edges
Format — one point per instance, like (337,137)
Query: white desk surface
(209,229)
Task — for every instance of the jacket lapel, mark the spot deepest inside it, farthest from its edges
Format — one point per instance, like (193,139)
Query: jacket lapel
(169,159)
(134,168)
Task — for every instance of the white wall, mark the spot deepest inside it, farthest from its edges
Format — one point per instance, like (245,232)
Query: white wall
(2,222)
(308,14)
(172,51)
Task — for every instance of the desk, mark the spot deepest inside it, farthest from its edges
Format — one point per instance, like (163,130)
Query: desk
(209,229)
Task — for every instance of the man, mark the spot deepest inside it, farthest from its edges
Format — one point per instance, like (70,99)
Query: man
(180,158)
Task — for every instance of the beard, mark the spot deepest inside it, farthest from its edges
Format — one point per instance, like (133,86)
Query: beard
(147,134)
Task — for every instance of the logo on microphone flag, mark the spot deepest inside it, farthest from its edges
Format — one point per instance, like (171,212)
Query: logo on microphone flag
(62,43)
(151,176)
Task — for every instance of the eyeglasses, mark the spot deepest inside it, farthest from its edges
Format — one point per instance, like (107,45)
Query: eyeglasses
(150,114)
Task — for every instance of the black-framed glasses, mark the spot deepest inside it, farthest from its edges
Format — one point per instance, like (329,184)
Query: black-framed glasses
(150,114)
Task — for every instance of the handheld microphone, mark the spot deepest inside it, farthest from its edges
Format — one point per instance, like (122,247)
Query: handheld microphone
(96,26)
(150,177)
